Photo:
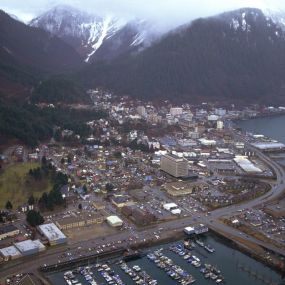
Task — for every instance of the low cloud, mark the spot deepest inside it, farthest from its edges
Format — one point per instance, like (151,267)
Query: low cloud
(165,13)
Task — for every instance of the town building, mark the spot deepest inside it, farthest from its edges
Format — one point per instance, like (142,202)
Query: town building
(176,111)
(141,111)
(79,220)
(8,231)
(114,221)
(174,165)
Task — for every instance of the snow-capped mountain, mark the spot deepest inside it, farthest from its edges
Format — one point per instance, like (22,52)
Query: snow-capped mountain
(277,16)
(249,19)
(92,35)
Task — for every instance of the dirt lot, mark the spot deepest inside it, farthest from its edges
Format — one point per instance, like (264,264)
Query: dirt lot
(93,231)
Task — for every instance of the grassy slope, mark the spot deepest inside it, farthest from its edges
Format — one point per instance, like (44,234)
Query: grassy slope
(17,186)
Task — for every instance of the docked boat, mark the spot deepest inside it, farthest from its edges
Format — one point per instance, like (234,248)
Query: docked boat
(209,248)
(199,242)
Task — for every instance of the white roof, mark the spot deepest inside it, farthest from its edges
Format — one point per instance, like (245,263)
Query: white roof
(10,251)
(269,145)
(39,244)
(176,211)
(52,232)
(168,206)
(246,165)
(207,142)
(189,229)
(26,245)
(114,220)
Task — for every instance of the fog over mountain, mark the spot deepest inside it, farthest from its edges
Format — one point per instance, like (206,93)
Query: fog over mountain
(167,14)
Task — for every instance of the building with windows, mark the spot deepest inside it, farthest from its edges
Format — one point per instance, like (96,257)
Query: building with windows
(174,165)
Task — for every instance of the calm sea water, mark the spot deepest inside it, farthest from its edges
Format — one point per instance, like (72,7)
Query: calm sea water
(228,260)
(273,127)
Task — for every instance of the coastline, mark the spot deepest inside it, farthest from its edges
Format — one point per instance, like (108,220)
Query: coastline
(260,115)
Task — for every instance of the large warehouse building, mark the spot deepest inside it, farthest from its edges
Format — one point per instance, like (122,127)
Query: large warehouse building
(174,165)
(52,233)
(29,247)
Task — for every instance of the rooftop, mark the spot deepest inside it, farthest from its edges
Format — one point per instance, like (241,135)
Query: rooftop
(10,251)
(27,245)
(7,228)
(52,232)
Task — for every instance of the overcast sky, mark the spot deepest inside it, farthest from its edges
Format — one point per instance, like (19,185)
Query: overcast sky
(166,12)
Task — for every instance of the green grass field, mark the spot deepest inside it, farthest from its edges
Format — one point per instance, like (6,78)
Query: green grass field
(16,185)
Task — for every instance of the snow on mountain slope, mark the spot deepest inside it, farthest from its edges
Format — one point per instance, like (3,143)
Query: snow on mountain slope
(87,33)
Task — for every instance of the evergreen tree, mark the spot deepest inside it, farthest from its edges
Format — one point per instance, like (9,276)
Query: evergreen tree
(9,205)
(31,200)
(34,218)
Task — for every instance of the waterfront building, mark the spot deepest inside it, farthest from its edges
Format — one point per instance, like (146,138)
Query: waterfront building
(174,165)
(201,229)
(10,252)
(29,247)
(52,233)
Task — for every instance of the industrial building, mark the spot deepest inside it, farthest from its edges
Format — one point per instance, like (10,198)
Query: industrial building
(8,231)
(114,221)
(29,247)
(246,165)
(10,252)
(174,165)
(52,233)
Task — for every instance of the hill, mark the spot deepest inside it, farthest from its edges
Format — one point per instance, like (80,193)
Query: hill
(28,54)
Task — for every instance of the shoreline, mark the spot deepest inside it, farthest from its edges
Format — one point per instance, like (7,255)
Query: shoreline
(261,115)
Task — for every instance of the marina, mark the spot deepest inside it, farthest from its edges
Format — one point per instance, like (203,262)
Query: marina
(183,262)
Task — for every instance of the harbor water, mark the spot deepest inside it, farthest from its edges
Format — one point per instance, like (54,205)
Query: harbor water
(273,127)
(236,268)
